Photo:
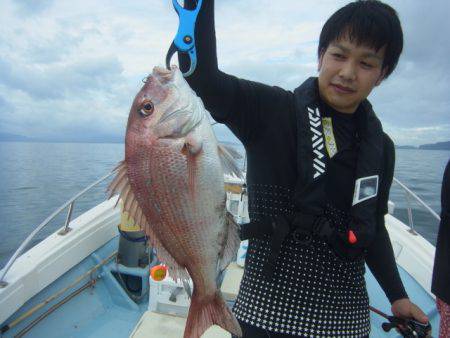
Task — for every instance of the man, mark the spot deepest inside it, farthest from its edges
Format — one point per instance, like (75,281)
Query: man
(441,271)
(319,170)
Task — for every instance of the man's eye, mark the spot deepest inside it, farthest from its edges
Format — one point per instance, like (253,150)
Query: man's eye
(367,65)
(338,56)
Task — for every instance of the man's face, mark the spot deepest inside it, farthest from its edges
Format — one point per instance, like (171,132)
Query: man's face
(348,73)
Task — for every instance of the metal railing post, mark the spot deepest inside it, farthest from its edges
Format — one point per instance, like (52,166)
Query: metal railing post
(68,218)
(410,216)
(406,189)
(408,195)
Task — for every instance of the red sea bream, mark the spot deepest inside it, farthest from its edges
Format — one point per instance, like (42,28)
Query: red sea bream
(171,183)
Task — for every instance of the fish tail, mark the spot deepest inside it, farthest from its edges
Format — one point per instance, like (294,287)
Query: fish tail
(203,314)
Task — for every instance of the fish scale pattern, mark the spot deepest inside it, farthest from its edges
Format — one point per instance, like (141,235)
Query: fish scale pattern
(177,205)
(182,223)
(312,293)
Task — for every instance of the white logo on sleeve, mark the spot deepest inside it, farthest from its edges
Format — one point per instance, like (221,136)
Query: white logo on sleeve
(317,141)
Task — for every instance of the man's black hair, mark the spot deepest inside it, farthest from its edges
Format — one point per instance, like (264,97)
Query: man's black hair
(366,22)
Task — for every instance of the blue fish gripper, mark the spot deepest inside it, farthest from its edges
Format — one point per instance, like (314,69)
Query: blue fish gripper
(184,41)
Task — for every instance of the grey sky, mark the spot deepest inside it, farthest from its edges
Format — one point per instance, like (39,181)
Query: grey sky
(72,68)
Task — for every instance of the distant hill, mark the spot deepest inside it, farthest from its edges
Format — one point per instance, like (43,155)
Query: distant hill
(405,147)
(436,146)
(104,138)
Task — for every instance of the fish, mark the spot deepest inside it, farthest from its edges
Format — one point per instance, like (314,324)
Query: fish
(172,183)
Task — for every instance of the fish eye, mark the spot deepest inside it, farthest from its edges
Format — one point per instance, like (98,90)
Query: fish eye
(147,108)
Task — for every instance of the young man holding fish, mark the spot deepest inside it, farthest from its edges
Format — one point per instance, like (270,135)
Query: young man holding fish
(319,174)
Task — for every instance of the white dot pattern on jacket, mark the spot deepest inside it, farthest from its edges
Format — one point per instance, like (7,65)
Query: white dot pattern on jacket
(312,292)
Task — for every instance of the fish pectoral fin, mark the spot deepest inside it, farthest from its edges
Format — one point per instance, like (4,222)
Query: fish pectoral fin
(193,145)
(228,162)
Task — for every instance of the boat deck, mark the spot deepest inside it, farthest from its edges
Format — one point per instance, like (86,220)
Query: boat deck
(173,327)
(104,310)
(69,306)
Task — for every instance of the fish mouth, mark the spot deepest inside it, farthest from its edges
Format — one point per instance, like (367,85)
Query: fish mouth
(163,74)
(161,70)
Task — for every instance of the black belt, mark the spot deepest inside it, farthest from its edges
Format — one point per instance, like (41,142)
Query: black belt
(304,228)
(300,223)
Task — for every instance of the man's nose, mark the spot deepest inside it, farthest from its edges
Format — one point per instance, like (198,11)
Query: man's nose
(348,71)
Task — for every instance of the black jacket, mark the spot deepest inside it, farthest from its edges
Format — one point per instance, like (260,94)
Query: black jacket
(441,273)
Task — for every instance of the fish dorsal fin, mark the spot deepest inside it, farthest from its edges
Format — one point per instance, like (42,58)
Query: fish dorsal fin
(120,184)
(229,161)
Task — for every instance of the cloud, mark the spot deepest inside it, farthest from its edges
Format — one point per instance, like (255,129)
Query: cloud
(65,65)
(52,49)
(419,135)
(6,111)
(61,80)
(416,97)
(5,106)
(30,7)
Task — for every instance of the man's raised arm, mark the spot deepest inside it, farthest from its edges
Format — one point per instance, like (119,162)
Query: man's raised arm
(240,104)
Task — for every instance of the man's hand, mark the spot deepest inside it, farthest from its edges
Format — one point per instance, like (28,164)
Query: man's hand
(403,308)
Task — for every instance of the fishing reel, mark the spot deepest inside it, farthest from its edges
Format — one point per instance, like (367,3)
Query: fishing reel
(408,328)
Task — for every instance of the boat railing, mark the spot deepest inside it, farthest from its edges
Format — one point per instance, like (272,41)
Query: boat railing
(412,196)
(70,203)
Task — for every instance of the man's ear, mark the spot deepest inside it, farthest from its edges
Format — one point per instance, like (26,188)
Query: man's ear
(319,65)
(381,77)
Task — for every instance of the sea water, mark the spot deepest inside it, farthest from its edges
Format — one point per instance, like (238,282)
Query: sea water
(37,178)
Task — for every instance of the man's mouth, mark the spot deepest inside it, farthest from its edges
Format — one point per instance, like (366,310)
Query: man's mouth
(342,89)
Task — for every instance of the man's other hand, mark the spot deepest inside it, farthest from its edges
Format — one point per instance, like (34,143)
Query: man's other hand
(404,308)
